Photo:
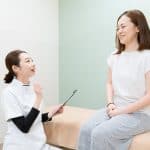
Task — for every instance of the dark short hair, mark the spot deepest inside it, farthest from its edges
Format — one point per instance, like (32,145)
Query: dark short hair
(11,59)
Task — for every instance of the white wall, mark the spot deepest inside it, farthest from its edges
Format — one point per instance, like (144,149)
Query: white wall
(31,25)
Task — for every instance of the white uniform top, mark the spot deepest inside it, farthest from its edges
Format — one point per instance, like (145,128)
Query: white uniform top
(17,101)
(128,76)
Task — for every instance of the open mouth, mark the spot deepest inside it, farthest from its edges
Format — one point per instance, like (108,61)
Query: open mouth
(33,70)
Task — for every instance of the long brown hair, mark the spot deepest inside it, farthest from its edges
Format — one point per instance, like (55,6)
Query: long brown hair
(11,59)
(139,20)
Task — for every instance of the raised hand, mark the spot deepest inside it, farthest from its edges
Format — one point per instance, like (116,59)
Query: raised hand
(39,95)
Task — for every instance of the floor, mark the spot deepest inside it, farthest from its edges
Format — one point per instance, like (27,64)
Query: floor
(0,146)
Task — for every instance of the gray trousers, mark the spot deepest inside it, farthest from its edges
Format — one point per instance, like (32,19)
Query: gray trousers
(116,133)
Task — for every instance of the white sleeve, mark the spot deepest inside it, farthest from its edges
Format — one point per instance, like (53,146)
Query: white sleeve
(10,105)
(110,61)
(147,63)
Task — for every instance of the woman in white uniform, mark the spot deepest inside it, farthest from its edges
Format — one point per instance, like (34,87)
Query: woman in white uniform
(22,104)
(128,89)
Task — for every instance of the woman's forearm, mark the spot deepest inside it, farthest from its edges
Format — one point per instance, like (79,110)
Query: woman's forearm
(24,123)
(110,93)
(140,104)
(109,87)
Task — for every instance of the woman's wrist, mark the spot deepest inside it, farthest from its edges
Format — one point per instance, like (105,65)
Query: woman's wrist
(50,114)
(109,104)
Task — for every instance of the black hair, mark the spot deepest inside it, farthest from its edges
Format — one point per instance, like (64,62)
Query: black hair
(11,59)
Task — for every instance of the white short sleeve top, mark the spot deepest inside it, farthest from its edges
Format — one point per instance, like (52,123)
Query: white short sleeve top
(17,101)
(128,75)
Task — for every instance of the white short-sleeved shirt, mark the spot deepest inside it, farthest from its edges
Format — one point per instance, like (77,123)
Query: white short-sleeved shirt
(128,76)
(17,101)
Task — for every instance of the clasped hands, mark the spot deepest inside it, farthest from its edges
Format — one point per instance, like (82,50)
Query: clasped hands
(112,110)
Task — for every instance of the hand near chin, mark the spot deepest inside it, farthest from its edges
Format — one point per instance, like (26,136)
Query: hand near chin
(38,90)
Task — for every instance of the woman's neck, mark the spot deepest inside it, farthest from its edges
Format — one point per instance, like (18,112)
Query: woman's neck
(133,46)
(23,80)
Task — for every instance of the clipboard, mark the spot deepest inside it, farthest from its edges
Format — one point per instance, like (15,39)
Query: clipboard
(69,98)
(65,102)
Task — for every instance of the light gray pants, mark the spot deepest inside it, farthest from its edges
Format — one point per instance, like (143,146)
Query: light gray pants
(116,133)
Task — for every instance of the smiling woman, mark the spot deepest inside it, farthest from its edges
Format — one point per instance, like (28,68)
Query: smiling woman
(22,105)
(128,89)
(20,65)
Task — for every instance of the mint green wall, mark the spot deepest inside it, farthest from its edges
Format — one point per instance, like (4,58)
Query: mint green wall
(87,35)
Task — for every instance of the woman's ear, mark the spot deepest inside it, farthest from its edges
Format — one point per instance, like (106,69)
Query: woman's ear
(15,69)
(137,30)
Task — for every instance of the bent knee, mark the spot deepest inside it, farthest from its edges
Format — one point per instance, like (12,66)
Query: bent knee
(102,133)
(86,129)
